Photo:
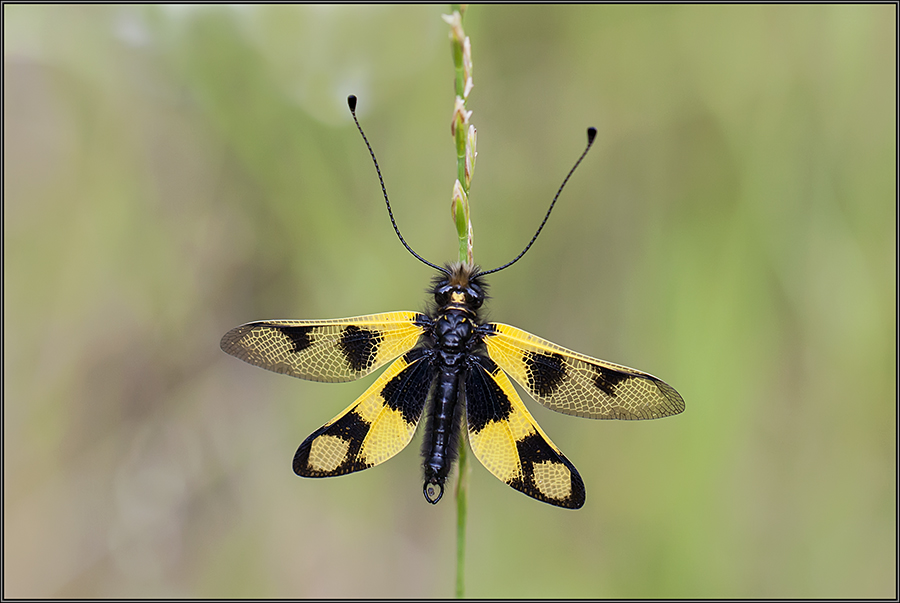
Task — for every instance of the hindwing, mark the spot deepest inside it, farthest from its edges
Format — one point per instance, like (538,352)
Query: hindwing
(575,384)
(511,445)
(378,425)
(343,349)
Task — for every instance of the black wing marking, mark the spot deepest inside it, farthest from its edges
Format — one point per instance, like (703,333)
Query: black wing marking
(378,425)
(575,384)
(343,349)
(511,445)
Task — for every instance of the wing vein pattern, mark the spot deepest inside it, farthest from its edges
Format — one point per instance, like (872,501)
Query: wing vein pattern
(343,349)
(575,384)
(378,425)
(511,445)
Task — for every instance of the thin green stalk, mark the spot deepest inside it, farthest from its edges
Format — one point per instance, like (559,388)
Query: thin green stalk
(462,509)
(464,138)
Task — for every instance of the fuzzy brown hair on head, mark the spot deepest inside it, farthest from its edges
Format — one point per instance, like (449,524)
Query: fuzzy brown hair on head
(461,274)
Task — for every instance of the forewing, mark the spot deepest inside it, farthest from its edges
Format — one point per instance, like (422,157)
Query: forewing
(378,425)
(575,384)
(342,349)
(510,444)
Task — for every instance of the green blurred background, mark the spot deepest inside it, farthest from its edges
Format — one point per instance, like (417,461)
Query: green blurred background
(172,172)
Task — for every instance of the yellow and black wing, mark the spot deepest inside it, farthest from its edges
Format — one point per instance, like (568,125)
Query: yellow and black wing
(575,384)
(342,349)
(511,445)
(378,425)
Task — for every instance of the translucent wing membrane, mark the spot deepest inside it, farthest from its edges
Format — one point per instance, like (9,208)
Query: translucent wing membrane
(510,444)
(378,425)
(342,349)
(574,384)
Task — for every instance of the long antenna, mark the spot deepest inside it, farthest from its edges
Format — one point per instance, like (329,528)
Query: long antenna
(351,100)
(591,134)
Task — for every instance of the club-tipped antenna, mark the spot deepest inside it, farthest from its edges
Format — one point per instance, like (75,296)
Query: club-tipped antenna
(591,134)
(351,101)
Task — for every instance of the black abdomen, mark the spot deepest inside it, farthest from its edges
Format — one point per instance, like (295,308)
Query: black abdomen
(451,338)
(441,432)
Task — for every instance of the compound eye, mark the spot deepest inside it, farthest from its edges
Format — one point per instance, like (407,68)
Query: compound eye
(442,297)
(473,301)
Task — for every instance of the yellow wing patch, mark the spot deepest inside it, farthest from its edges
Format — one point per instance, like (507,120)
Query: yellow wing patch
(378,425)
(343,349)
(575,384)
(511,445)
